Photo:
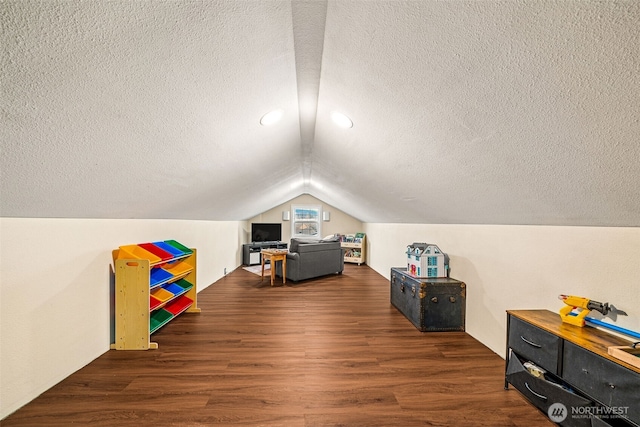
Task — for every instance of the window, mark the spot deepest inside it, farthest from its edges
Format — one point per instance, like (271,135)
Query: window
(306,221)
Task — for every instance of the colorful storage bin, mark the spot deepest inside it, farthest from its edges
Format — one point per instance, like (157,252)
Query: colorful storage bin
(179,269)
(174,289)
(180,246)
(158,319)
(159,276)
(175,252)
(179,305)
(184,284)
(160,253)
(154,303)
(137,252)
(162,294)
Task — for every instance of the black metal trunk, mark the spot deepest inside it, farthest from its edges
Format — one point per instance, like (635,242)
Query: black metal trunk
(431,304)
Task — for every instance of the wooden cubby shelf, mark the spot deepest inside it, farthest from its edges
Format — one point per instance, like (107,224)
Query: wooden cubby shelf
(155,282)
(354,246)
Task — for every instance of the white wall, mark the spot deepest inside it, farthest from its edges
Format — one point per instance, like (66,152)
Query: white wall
(339,222)
(55,290)
(523,267)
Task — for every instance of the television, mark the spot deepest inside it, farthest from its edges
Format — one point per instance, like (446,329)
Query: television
(266,232)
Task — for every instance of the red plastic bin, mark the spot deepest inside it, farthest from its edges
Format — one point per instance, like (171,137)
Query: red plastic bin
(164,255)
(179,305)
(154,303)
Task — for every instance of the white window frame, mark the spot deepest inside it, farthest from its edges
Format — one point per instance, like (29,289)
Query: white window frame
(300,220)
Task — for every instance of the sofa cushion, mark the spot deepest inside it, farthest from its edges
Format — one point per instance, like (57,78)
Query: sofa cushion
(303,245)
(296,242)
(318,247)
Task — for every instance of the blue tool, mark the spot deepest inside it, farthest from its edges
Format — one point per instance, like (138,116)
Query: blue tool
(613,327)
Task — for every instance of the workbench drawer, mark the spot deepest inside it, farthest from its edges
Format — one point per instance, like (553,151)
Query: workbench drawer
(534,344)
(607,382)
(543,393)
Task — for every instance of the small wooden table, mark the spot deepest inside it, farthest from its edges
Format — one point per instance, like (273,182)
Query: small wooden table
(274,255)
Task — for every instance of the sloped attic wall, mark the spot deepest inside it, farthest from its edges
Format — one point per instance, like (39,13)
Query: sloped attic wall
(481,112)
(145,109)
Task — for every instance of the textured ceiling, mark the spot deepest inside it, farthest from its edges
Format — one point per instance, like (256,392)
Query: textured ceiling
(509,112)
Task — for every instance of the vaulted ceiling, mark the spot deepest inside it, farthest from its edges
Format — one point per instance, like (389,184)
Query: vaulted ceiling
(469,112)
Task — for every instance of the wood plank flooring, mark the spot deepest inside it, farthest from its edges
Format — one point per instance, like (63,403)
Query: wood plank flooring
(324,352)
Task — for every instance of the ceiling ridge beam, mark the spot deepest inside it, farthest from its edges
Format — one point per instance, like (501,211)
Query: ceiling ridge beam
(309,19)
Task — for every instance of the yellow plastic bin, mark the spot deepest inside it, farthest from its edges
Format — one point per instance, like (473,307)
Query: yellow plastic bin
(162,294)
(136,252)
(179,269)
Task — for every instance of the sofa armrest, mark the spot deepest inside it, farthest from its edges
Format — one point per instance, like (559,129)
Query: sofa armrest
(293,265)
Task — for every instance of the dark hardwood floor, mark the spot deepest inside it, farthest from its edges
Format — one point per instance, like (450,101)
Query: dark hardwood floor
(325,352)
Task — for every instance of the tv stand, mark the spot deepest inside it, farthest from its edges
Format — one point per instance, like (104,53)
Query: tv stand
(251,251)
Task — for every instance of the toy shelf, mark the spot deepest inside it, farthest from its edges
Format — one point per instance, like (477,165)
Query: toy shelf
(354,246)
(155,282)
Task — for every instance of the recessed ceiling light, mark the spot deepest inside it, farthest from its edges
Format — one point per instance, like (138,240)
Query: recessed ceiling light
(271,117)
(341,120)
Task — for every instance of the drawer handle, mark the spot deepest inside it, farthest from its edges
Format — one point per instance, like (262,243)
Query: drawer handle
(536,394)
(530,343)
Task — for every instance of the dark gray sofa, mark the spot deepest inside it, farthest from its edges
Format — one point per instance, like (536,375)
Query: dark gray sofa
(312,258)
